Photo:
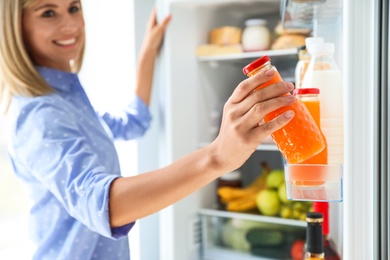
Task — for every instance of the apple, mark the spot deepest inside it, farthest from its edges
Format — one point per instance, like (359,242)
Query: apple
(268,202)
(275,178)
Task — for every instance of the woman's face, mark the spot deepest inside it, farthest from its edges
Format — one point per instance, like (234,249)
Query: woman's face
(53,32)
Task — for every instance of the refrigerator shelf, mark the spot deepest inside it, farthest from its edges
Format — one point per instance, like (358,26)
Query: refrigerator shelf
(251,216)
(274,54)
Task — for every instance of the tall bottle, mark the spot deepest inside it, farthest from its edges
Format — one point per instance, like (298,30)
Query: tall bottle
(323,73)
(314,243)
(301,138)
(329,247)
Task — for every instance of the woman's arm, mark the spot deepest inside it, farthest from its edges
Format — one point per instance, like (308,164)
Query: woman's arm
(135,197)
(148,54)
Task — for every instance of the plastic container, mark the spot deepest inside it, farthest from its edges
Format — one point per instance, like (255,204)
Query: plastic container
(301,138)
(256,35)
(323,73)
(331,175)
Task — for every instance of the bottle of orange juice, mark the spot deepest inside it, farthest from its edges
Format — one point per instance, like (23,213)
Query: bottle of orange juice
(301,138)
(303,176)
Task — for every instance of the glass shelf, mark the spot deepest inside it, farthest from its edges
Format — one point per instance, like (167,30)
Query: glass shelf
(274,54)
(251,216)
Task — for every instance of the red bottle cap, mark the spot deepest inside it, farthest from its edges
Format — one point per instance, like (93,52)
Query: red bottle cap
(323,207)
(255,64)
(303,91)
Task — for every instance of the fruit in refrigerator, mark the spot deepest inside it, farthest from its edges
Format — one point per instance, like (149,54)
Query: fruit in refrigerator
(244,199)
(282,193)
(297,249)
(242,204)
(275,178)
(268,202)
(285,212)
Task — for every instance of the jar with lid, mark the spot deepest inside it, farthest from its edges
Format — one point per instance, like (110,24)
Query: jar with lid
(301,138)
(256,35)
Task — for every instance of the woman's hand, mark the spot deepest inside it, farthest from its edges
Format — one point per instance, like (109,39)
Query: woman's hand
(154,36)
(242,127)
(155,32)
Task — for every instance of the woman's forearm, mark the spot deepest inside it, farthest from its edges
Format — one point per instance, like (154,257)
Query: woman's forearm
(135,197)
(145,74)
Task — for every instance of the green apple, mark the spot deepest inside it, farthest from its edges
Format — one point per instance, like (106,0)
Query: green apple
(268,202)
(283,193)
(275,178)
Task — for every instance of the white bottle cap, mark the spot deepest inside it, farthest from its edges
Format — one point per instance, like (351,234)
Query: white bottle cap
(325,47)
(231,176)
(254,22)
(312,40)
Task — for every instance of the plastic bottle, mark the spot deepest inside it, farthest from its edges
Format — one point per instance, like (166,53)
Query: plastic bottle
(304,59)
(323,73)
(301,138)
(256,35)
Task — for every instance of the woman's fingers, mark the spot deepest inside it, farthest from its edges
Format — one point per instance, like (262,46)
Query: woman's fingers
(256,111)
(247,86)
(266,128)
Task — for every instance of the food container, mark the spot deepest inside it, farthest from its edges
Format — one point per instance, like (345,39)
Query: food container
(256,35)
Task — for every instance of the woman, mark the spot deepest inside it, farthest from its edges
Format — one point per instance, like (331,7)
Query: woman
(63,150)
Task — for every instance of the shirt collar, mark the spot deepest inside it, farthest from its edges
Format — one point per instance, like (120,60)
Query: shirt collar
(58,79)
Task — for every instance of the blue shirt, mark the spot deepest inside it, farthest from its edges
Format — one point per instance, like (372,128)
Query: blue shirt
(64,151)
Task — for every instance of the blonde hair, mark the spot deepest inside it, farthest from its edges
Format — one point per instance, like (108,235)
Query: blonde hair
(18,75)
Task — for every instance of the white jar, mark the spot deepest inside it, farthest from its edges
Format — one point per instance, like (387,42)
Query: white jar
(256,35)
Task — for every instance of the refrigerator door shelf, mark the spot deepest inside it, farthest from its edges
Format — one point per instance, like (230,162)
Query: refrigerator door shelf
(314,182)
(308,13)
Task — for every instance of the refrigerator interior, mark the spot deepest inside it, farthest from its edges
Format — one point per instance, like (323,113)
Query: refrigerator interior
(193,94)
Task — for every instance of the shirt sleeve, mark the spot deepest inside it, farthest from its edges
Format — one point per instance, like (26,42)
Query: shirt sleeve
(131,122)
(48,143)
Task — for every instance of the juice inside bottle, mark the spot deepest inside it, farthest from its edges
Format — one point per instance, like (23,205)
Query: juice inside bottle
(303,176)
(301,138)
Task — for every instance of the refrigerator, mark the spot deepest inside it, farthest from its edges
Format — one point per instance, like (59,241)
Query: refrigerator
(190,92)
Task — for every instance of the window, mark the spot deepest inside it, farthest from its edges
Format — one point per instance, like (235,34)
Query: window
(107,75)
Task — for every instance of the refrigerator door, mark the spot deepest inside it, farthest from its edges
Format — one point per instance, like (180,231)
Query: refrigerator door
(361,81)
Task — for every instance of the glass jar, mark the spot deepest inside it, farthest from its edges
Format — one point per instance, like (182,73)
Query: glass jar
(301,138)
(310,98)
(256,35)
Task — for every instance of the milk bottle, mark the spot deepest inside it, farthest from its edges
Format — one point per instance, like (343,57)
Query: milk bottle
(323,73)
